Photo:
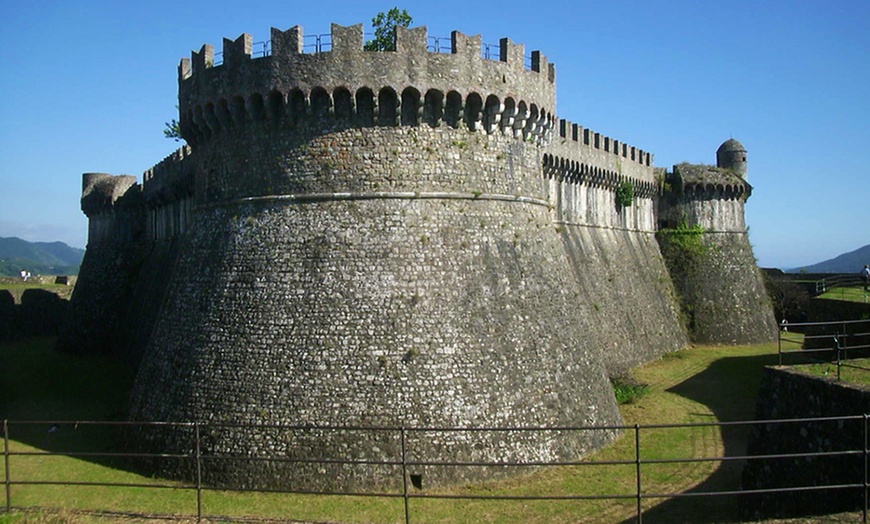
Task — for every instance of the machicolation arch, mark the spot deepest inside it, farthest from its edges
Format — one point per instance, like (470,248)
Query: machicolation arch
(344,108)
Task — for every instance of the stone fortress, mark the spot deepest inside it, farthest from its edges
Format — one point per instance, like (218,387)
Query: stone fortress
(407,238)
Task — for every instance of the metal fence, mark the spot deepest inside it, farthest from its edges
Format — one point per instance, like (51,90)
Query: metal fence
(825,342)
(321,43)
(826,284)
(645,489)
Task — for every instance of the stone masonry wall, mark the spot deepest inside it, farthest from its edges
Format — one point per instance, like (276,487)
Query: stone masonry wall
(722,292)
(109,270)
(388,276)
(349,313)
(789,393)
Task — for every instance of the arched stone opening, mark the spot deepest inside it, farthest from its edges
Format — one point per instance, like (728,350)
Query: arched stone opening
(508,114)
(320,103)
(410,107)
(365,107)
(199,121)
(387,104)
(222,111)
(296,104)
(453,109)
(275,106)
(210,118)
(520,119)
(343,104)
(473,110)
(491,113)
(433,107)
(531,129)
(237,110)
(258,109)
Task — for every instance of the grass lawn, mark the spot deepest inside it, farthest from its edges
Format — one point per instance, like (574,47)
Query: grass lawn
(852,294)
(696,385)
(18,288)
(855,371)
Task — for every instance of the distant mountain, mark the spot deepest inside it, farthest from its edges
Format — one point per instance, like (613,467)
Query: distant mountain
(845,263)
(40,258)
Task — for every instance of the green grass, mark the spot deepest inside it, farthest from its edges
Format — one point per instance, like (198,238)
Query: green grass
(702,384)
(849,373)
(18,288)
(852,294)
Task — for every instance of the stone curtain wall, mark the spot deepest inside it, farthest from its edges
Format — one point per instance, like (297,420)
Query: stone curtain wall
(721,288)
(39,312)
(626,295)
(114,254)
(788,393)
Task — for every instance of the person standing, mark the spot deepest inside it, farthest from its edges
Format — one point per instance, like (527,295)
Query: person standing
(865,276)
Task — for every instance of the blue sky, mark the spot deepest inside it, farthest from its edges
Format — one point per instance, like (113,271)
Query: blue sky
(87,86)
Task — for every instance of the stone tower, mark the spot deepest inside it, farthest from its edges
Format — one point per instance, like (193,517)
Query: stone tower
(706,245)
(401,239)
(732,155)
(371,242)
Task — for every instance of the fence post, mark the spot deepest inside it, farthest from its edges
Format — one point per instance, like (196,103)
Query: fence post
(6,463)
(405,476)
(839,355)
(637,472)
(779,345)
(866,483)
(198,473)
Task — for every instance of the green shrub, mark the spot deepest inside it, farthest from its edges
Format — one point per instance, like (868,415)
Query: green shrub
(627,390)
(625,194)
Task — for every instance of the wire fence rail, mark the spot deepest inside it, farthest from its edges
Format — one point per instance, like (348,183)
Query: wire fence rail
(645,488)
(322,43)
(826,342)
(847,280)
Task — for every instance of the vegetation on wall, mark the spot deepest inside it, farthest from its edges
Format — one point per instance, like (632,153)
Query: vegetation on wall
(625,194)
(685,254)
(685,242)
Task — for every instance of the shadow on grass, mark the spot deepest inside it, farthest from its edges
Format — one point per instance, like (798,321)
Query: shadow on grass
(728,387)
(40,387)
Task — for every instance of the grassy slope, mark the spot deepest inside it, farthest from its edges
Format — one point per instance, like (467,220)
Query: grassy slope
(696,385)
(852,294)
(855,371)
(18,289)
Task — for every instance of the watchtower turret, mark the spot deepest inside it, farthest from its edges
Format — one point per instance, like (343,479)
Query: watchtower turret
(732,155)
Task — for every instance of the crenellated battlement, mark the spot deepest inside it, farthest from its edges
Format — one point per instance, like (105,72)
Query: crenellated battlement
(576,133)
(349,39)
(169,180)
(168,188)
(410,86)
(703,182)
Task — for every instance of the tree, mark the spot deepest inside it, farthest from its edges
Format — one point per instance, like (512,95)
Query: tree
(790,300)
(385,29)
(173,131)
